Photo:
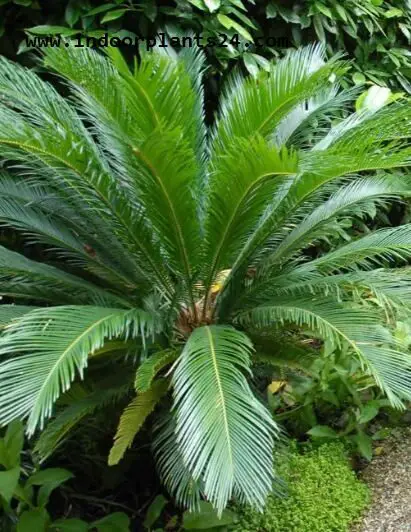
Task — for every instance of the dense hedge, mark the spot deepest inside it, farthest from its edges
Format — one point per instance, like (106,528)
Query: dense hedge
(375,33)
(324,495)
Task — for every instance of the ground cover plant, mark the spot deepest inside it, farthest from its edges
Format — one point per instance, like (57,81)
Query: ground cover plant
(174,254)
(322,474)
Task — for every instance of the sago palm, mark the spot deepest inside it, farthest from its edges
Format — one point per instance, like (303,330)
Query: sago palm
(173,253)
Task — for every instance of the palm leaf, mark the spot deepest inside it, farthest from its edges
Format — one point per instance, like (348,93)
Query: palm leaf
(225,435)
(171,466)
(385,246)
(258,105)
(53,345)
(359,327)
(24,278)
(133,417)
(151,366)
(10,312)
(244,181)
(46,136)
(356,199)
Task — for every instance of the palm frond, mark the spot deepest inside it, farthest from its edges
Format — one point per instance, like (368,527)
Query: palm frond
(47,137)
(171,466)
(310,121)
(49,347)
(257,106)
(249,176)
(359,327)
(157,121)
(24,278)
(46,216)
(151,366)
(357,199)
(228,446)
(133,417)
(383,247)
(10,312)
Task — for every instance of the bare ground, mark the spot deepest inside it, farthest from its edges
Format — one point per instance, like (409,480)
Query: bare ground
(389,477)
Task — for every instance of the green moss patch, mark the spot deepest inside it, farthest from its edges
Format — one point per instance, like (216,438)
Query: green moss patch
(324,495)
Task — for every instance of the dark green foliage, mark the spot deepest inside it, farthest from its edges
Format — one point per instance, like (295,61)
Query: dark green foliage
(327,397)
(375,33)
(25,491)
(324,495)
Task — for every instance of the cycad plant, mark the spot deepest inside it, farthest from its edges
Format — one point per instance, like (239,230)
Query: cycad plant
(172,253)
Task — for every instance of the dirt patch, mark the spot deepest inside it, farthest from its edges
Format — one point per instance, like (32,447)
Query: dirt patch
(389,477)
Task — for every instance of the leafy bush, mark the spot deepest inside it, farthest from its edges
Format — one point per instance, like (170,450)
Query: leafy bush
(375,33)
(324,393)
(25,491)
(174,252)
(324,495)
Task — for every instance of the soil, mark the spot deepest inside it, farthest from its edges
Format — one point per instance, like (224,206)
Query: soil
(389,477)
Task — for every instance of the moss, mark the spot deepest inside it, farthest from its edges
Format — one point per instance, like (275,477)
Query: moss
(324,495)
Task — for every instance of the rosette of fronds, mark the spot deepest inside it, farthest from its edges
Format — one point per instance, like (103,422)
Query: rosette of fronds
(172,251)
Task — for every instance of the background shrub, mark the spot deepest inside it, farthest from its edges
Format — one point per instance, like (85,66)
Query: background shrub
(374,33)
(324,495)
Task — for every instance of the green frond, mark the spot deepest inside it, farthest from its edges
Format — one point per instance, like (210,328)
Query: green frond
(258,105)
(310,121)
(249,176)
(133,417)
(165,169)
(8,313)
(47,137)
(151,366)
(357,199)
(362,129)
(24,278)
(382,247)
(216,443)
(359,327)
(49,347)
(153,141)
(171,466)
(46,216)
(390,288)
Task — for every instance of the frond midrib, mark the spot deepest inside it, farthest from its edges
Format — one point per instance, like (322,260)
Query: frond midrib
(221,394)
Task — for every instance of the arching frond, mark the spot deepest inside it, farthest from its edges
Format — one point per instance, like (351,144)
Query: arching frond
(49,347)
(44,215)
(357,198)
(257,105)
(385,246)
(24,278)
(47,137)
(228,447)
(391,288)
(310,121)
(171,467)
(359,327)
(250,175)
(156,115)
(10,312)
(151,366)
(133,417)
